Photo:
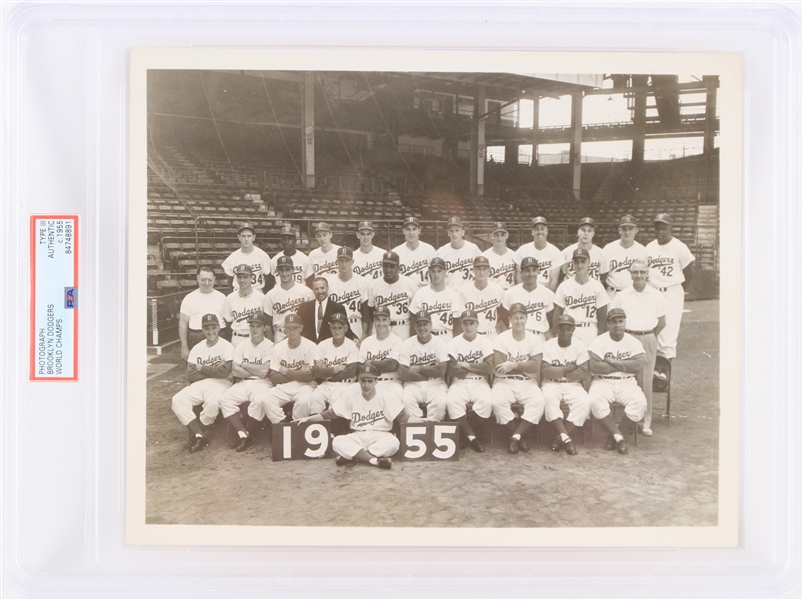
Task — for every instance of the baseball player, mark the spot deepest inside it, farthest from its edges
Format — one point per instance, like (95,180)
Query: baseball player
(251,363)
(598,266)
(208,370)
(615,358)
(414,255)
(324,257)
(470,365)
(248,254)
(351,291)
(583,298)
(483,296)
(517,367)
(336,363)
(395,292)
(646,318)
(367,258)
(241,304)
(501,258)
(620,254)
(206,299)
(549,258)
(565,377)
(442,303)
(284,298)
(382,352)
(422,367)
(291,372)
(302,266)
(671,270)
(371,414)
(459,254)
(538,300)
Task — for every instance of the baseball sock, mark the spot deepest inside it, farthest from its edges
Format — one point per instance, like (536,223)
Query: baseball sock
(195,427)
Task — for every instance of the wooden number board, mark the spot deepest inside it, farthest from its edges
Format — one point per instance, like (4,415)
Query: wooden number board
(429,441)
(298,442)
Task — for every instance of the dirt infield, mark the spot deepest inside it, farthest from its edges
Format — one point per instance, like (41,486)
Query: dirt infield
(669,480)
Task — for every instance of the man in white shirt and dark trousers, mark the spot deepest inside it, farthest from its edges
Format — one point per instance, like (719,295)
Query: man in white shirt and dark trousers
(646,318)
(206,299)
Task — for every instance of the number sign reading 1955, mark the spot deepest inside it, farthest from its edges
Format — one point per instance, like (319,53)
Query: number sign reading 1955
(429,441)
(296,442)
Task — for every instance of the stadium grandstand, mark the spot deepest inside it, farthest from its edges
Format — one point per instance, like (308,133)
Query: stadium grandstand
(274,148)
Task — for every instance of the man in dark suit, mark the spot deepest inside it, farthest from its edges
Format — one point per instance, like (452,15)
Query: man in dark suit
(315,314)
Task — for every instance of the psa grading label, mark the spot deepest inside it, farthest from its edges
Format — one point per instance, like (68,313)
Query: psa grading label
(54,298)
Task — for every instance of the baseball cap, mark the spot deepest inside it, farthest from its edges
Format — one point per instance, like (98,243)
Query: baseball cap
(339,317)
(471,315)
(628,220)
(499,226)
(412,221)
(367,371)
(481,261)
(345,251)
(210,319)
(581,253)
(382,311)
(663,218)
(539,221)
(284,261)
(566,319)
(454,221)
(437,262)
(390,257)
(292,319)
(616,312)
(242,269)
(365,225)
(321,226)
(422,315)
(258,317)
(587,221)
(529,261)
(288,230)
(517,307)
(246,225)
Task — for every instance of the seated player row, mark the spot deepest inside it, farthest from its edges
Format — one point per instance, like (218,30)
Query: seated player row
(398,378)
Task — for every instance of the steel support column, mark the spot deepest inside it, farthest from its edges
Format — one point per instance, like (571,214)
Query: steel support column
(477,145)
(711,82)
(308,129)
(639,118)
(575,149)
(536,118)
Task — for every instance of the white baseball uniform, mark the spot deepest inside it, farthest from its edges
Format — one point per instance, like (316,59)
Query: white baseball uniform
(548,257)
(444,307)
(459,263)
(280,302)
(538,303)
(431,392)
(324,263)
(503,267)
(572,393)
(397,297)
(237,309)
(472,388)
(619,260)
(351,294)
(251,389)
(368,265)
(205,391)
(371,423)
(618,387)
(485,302)
(257,259)
(297,392)
(515,387)
(374,349)
(332,356)
(597,266)
(302,266)
(666,264)
(415,263)
(582,303)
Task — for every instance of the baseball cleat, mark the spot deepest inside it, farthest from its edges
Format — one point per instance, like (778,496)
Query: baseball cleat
(570,449)
(557,444)
(244,444)
(524,446)
(610,443)
(513,447)
(384,463)
(476,444)
(621,446)
(342,461)
(199,444)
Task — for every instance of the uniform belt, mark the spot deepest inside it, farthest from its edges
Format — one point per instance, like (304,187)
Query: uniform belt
(387,379)
(558,381)
(238,334)
(615,376)
(584,324)
(613,289)
(634,332)
(477,377)
(395,323)
(440,332)
(520,377)
(251,378)
(664,289)
(341,381)
(536,332)
(355,319)
(486,332)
